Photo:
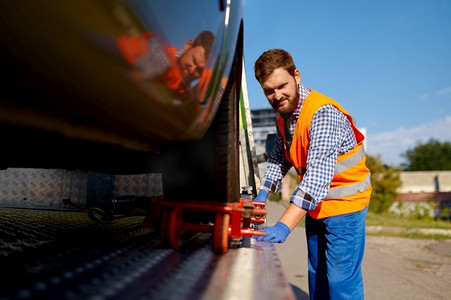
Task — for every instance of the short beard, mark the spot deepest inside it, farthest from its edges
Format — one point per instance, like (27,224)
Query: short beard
(286,113)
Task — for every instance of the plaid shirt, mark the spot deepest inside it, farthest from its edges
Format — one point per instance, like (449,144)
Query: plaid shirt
(331,134)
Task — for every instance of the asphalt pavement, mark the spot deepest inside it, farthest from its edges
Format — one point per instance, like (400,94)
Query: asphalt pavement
(393,267)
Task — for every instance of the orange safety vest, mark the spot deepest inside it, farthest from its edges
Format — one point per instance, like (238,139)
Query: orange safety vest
(133,47)
(350,189)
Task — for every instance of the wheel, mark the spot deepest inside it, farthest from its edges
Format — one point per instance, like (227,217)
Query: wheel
(221,233)
(212,161)
(171,227)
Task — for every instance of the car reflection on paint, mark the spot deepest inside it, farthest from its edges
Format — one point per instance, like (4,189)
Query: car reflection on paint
(124,87)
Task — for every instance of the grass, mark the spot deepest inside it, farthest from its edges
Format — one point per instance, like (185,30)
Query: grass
(373,219)
(393,225)
(411,235)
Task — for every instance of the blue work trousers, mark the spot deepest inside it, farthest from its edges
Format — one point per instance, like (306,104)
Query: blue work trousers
(335,252)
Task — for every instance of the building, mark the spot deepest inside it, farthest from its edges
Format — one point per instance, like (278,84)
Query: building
(263,123)
(425,181)
(427,192)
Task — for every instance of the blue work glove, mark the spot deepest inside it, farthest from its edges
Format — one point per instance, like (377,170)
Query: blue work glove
(277,233)
(261,196)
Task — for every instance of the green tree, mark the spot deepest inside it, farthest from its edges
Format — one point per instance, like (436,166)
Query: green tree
(432,155)
(385,181)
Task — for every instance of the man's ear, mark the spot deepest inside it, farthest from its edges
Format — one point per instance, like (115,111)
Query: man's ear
(188,44)
(297,76)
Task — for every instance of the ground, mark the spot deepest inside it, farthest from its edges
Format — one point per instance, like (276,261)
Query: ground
(393,267)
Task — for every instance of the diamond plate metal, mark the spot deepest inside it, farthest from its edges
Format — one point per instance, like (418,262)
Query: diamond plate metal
(27,187)
(138,185)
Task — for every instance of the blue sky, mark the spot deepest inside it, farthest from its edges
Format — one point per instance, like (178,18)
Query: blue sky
(388,62)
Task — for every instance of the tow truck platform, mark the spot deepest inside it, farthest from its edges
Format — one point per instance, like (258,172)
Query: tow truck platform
(54,254)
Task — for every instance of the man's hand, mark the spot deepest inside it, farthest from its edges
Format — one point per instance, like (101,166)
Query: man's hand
(262,196)
(277,233)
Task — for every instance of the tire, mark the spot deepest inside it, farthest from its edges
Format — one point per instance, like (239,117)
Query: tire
(208,169)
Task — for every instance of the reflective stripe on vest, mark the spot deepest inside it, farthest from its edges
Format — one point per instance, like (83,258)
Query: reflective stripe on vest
(348,190)
(343,165)
(350,161)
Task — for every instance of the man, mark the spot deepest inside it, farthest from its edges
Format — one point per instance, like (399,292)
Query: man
(177,69)
(317,137)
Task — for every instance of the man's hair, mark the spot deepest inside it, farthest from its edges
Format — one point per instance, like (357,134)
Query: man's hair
(204,39)
(271,60)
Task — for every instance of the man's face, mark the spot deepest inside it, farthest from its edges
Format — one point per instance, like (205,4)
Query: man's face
(192,62)
(281,90)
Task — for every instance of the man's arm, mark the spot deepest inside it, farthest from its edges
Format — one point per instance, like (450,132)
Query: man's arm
(292,216)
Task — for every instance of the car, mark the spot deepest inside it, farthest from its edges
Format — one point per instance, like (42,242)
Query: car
(123,87)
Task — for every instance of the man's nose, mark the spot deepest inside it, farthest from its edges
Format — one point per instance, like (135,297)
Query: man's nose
(191,69)
(277,95)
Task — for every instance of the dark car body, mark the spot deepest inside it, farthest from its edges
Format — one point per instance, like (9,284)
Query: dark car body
(83,88)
